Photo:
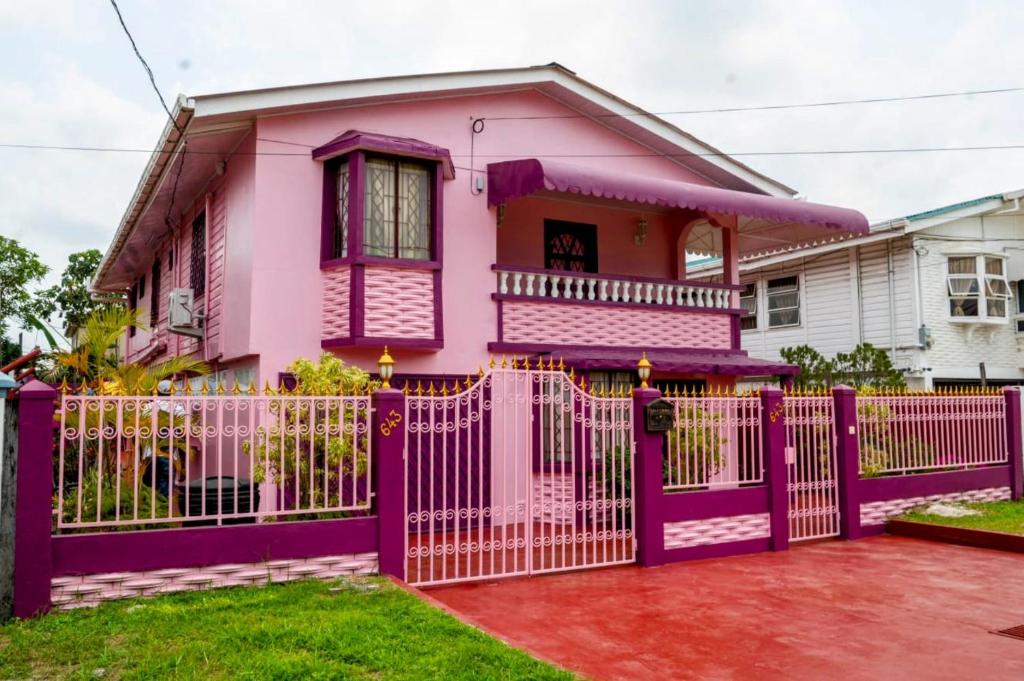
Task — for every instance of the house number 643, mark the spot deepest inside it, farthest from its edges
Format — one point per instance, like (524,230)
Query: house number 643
(390,423)
(776,412)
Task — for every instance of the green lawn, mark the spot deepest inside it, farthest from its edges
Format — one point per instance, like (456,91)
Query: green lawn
(302,630)
(997,516)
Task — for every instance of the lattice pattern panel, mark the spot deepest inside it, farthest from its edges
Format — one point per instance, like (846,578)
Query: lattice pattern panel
(564,324)
(334,311)
(89,590)
(399,302)
(687,533)
(215,255)
(877,512)
(554,498)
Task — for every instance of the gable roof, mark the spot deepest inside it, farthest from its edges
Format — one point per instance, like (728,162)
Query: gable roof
(222,120)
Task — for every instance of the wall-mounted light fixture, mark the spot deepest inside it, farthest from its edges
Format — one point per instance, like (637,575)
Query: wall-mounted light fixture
(640,234)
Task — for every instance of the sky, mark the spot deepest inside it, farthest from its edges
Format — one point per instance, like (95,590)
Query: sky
(68,77)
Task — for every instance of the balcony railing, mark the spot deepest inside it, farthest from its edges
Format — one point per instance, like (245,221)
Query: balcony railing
(535,283)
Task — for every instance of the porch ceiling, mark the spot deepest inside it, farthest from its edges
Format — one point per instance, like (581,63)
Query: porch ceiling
(766,224)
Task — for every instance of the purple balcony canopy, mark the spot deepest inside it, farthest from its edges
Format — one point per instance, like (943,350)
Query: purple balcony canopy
(773,223)
(385,144)
(672,361)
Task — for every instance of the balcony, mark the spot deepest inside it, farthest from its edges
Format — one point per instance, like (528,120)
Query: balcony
(546,310)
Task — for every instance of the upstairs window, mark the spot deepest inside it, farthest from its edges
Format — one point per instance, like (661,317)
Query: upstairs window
(154,294)
(748,302)
(783,302)
(339,235)
(397,209)
(197,274)
(977,287)
(570,246)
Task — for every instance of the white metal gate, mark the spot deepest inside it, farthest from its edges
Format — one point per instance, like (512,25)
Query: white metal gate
(811,459)
(521,472)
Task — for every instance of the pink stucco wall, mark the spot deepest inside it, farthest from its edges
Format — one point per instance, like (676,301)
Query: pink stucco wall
(286,283)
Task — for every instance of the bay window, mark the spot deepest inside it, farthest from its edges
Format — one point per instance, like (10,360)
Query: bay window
(396,209)
(977,287)
(783,302)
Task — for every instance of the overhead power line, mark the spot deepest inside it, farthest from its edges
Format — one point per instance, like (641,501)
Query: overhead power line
(766,107)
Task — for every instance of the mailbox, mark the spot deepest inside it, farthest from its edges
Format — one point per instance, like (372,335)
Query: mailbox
(660,416)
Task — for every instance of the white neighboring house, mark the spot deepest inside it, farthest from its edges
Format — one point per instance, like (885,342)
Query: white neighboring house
(942,291)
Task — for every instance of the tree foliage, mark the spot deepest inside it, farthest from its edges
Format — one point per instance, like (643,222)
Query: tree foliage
(20,270)
(865,365)
(71,296)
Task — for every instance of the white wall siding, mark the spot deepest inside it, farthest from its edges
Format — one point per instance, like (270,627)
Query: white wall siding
(875,290)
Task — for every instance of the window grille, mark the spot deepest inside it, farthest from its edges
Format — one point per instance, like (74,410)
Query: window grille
(197,276)
(154,294)
(783,302)
(397,209)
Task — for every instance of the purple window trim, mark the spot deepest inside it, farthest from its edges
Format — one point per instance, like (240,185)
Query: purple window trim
(618,277)
(327,213)
(75,554)
(736,312)
(381,341)
(406,147)
(438,308)
(401,263)
(357,301)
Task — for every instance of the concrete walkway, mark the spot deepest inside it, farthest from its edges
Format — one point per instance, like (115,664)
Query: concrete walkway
(881,608)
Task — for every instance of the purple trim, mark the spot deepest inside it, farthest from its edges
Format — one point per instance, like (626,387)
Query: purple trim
(926,484)
(356,199)
(501,323)
(735,548)
(389,468)
(327,215)
(1014,446)
(33,505)
(723,362)
(377,341)
(680,506)
(736,312)
(844,400)
(648,495)
(438,308)
(512,179)
(401,263)
(352,140)
(195,547)
(773,430)
(618,277)
(735,334)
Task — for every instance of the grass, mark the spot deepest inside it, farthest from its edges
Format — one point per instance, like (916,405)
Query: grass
(308,630)
(997,516)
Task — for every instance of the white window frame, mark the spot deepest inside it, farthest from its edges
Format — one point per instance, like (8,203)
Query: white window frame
(752,314)
(1018,315)
(982,280)
(768,299)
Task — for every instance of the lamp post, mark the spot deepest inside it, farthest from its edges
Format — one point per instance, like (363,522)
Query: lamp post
(386,367)
(643,368)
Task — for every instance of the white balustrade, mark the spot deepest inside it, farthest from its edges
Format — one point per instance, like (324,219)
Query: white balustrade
(581,286)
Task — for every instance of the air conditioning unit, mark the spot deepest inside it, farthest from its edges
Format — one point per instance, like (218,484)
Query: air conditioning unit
(182,317)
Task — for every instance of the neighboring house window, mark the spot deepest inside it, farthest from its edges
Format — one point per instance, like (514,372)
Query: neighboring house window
(570,246)
(974,295)
(339,235)
(197,276)
(748,302)
(154,295)
(783,302)
(397,209)
(1020,305)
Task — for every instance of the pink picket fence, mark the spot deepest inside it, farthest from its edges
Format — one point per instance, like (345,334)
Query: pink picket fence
(139,462)
(919,432)
(715,442)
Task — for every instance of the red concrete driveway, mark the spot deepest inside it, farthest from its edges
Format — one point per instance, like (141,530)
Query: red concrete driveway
(882,608)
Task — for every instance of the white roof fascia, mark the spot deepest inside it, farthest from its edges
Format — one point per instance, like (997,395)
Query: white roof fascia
(248,102)
(968,212)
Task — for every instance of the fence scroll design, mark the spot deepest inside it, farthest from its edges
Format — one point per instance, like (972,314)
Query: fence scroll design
(715,442)
(812,470)
(521,472)
(914,432)
(173,460)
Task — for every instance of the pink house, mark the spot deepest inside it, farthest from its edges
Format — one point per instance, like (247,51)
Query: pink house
(450,217)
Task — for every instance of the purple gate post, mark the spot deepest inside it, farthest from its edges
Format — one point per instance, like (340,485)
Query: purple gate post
(647,496)
(389,432)
(773,414)
(33,557)
(844,400)
(1014,453)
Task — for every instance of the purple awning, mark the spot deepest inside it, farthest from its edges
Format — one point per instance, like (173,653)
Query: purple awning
(385,144)
(678,362)
(511,179)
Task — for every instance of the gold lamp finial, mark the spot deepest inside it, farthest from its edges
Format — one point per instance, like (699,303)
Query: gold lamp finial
(643,368)
(386,366)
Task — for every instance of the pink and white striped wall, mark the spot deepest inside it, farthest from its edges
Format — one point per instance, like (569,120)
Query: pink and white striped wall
(722,530)
(399,302)
(334,323)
